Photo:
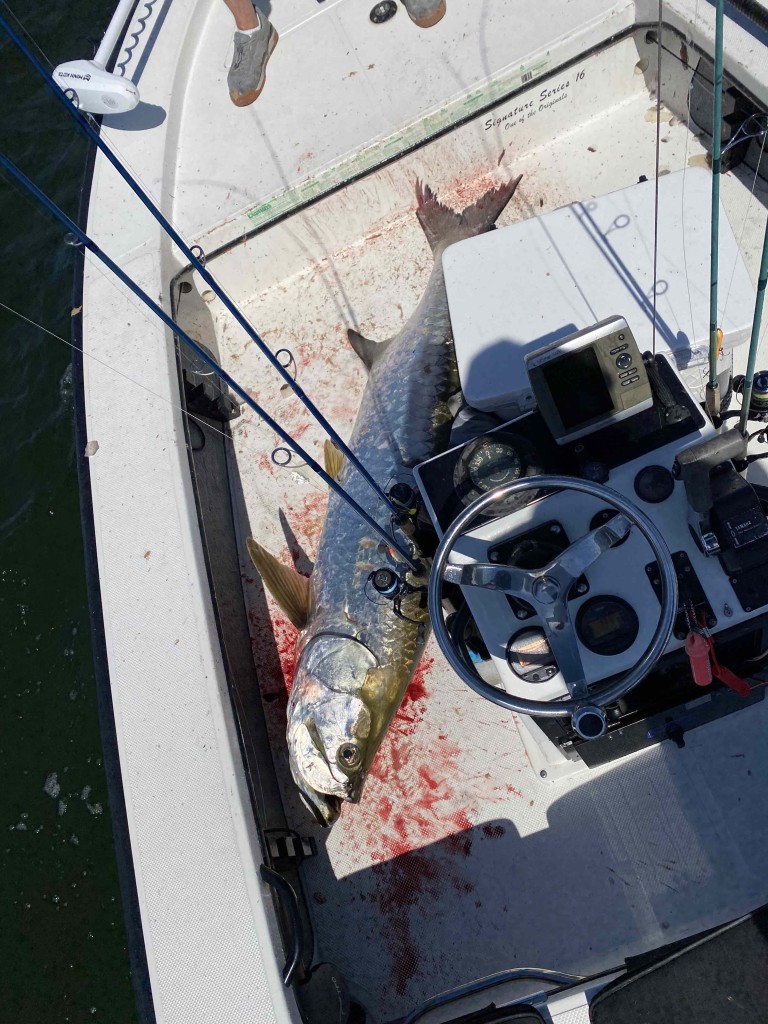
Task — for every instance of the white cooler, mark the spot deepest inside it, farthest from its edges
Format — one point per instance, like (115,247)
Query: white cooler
(513,290)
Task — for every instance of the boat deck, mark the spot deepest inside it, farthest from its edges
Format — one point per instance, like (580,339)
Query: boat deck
(460,860)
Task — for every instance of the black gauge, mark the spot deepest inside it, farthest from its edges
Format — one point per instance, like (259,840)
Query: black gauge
(494,460)
(492,464)
(530,656)
(654,484)
(530,553)
(595,470)
(607,625)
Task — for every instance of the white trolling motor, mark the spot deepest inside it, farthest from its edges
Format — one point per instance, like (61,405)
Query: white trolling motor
(95,89)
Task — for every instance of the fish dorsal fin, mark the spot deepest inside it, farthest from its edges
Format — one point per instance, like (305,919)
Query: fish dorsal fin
(289,588)
(368,350)
(333,458)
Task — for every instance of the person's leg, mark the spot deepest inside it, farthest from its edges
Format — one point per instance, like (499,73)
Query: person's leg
(244,14)
(425,13)
(255,39)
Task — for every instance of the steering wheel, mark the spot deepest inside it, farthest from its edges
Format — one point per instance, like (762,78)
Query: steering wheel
(547,591)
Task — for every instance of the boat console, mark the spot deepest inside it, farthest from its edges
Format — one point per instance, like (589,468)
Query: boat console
(603,567)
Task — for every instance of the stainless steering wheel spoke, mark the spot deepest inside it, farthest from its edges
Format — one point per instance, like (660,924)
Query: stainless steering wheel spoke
(572,563)
(488,576)
(561,637)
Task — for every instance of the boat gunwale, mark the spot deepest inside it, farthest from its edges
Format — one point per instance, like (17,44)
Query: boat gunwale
(126,870)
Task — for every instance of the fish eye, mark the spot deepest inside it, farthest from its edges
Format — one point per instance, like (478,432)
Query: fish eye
(348,756)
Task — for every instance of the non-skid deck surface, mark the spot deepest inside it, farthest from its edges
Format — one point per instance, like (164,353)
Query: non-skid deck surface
(460,860)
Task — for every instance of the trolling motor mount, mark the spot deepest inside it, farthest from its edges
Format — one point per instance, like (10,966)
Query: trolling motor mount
(95,89)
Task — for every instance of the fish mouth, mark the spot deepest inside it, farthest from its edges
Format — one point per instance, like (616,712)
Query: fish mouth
(323,808)
(326,808)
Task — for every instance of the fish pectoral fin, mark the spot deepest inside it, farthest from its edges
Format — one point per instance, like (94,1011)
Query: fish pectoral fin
(288,587)
(333,459)
(368,350)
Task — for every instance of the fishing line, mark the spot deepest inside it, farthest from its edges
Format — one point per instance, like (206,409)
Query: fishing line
(692,336)
(28,34)
(141,310)
(712,392)
(113,369)
(193,259)
(743,225)
(138,307)
(393,545)
(656,183)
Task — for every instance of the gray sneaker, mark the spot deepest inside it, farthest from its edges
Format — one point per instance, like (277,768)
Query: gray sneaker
(425,13)
(249,65)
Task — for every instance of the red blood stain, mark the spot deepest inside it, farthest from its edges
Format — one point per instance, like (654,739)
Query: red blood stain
(415,801)
(461,842)
(285,640)
(494,831)
(384,809)
(275,664)
(401,884)
(464,192)
(417,688)
(309,519)
(408,884)
(462,885)
(416,840)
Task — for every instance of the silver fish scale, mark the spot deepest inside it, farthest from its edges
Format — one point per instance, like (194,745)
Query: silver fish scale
(402,421)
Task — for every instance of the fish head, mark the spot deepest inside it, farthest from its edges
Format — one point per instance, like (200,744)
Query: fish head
(329,723)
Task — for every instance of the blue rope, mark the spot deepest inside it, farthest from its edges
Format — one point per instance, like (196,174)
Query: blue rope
(70,225)
(194,261)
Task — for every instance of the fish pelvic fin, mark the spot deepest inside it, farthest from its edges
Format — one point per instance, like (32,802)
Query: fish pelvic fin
(368,350)
(333,459)
(289,588)
(442,225)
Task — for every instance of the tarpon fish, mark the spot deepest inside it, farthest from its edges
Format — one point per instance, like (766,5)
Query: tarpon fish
(356,656)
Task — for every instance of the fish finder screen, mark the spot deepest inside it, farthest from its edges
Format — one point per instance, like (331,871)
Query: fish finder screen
(577,387)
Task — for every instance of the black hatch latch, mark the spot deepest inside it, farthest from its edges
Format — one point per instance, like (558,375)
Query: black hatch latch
(287,849)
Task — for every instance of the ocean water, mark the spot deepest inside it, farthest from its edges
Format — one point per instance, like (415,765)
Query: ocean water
(63,954)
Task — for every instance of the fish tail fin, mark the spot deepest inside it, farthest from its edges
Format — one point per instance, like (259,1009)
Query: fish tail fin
(442,225)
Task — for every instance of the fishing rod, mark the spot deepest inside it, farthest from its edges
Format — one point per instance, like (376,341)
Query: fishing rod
(194,260)
(712,392)
(755,339)
(414,565)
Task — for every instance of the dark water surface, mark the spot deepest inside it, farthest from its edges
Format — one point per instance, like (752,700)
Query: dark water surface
(62,939)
